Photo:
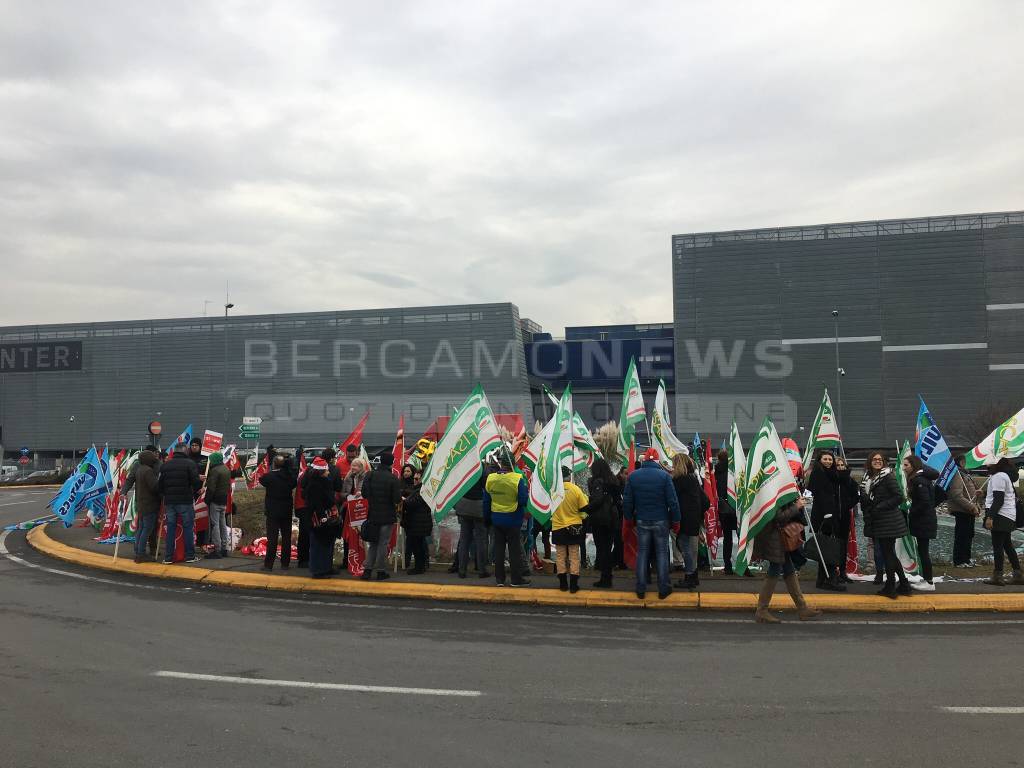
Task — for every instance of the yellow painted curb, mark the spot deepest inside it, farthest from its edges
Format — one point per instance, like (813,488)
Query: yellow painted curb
(587,598)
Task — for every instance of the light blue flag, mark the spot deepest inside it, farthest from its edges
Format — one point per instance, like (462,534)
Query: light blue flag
(72,497)
(930,446)
(184,437)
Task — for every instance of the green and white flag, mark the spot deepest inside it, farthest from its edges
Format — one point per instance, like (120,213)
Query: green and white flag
(457,461)
(662,437)
(633,411)
(906,547)
(769,487)
(584,447)
(737,467)
(1006,441)
(824,431)
(546,487)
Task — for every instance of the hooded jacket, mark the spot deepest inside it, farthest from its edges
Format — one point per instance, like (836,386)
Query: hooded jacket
(147,484)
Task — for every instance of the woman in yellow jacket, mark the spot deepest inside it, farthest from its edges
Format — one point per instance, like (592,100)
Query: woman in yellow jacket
(567,534)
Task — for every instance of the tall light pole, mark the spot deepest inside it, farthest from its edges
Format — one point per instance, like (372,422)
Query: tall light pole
(74,440)
(227,306)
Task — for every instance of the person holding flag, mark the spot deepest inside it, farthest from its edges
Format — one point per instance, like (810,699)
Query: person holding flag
(147,501)
(880,503)
(1001,519)
(962,502)
(179,481)
(505,496)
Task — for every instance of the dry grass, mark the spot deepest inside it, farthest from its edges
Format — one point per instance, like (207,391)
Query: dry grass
(249,514)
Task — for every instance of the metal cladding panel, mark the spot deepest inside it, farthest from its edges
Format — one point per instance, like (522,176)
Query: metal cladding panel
(898,286)
(311,375)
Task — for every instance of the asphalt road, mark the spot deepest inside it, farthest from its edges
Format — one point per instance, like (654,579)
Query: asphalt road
(82,653)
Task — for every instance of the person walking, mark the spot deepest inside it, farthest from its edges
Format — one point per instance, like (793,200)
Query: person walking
(727,517)
(472,531)
(504,506)
(849,497)
(179,481)
(962,502)
(325,519)
(1001,519)
(418,524)
(279,483)
(924,523)
(823,485)
(383,492)
(147,501)
(690,496)
(567,534)
(770,545)
(218,483)
(603,514)
(880,501)
(650,500)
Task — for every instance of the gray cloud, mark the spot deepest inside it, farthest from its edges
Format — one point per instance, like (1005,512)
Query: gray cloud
(457,152)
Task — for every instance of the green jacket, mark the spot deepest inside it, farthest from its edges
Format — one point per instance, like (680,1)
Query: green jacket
(218,481)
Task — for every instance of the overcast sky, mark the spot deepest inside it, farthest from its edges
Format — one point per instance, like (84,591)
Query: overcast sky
(330,155)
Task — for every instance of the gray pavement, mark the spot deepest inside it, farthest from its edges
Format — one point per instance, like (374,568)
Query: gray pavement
(556,687)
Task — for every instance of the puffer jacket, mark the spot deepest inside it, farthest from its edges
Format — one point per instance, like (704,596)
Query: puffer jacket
(179,479)
(218,482)
(880,500)
(382,491)
(280,485)
(768,544)
(147,484)
(649,495)
(416,517)
(923,521)
(961,498)
(824,487)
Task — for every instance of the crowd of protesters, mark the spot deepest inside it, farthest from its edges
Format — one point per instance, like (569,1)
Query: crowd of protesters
(665,507)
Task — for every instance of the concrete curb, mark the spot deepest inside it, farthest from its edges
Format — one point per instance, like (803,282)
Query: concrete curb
(586,598)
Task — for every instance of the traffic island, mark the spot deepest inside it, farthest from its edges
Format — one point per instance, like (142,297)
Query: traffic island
(718,594)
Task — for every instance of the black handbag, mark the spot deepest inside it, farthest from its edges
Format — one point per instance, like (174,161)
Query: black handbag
(833,549)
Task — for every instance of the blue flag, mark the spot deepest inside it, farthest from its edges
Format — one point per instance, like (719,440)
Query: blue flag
(930,446)
(184,437)
(75,493)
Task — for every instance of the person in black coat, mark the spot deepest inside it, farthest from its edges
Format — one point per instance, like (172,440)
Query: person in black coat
(849,497)
(603,514)
(179,481)
(880,502)
(318,492)
(924,524)
(279,483)
(691,512)
(383,493)
(418,524)
(726,512)
(823,484)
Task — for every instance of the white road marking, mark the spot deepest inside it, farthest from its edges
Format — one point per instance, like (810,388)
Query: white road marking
(319,686)
(560,614)
(984,710)
(16,503)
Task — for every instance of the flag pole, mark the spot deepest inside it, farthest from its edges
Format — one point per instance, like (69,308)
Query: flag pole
(120,524)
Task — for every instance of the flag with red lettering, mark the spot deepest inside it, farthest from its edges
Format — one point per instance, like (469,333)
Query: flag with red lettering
(712,523)
(852,554)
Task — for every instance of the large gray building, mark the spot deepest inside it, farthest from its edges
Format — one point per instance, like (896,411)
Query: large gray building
(311,376)
(930,306)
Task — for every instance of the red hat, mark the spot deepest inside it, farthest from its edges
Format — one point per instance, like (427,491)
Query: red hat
(319,465)
(651,454)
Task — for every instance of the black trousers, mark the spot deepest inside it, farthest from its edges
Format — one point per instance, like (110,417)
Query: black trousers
(1002,544)
(893,568)
(618,547)
(925,557)
(416,547)
(305,526)
(508,538)
(603,539)
(963,538)
(278,529)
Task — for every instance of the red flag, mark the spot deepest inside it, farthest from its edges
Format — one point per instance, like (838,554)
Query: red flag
(629,543)
(300,501)
(852,555)
(252,482)
(356,438)
(712,524)
(398,452)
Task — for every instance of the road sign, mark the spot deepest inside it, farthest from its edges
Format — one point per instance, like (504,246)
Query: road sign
(24,460)
(25,451)
(250,421)
(249,432)
(155,428)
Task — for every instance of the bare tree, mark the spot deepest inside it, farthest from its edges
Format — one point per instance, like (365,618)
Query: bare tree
(975,427)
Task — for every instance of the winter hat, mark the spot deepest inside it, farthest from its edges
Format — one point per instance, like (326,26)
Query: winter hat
(651,454)
(319,465)
(216,458)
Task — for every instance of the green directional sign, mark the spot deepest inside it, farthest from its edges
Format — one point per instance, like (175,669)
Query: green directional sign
(249,432)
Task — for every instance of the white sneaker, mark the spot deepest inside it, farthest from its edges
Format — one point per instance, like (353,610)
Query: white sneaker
(924,586)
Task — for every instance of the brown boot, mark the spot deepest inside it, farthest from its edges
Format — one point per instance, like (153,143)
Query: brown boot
(1018,577)
(762,615)
(804,611)
(996,580)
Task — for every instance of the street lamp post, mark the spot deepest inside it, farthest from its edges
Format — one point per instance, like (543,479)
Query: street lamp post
(227,306)
(839,372)
(74,443)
